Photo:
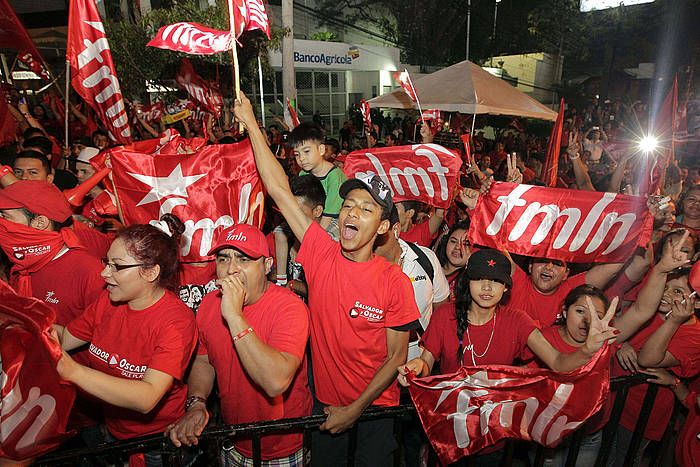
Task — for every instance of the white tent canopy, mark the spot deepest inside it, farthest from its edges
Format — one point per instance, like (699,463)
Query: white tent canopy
(467,88)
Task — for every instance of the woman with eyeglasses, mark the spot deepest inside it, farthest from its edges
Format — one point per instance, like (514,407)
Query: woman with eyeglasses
(140,334)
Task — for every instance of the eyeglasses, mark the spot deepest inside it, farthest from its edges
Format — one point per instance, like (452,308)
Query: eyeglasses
(118,267)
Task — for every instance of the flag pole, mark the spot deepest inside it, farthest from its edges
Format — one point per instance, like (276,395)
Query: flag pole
(410,81)
(262,100)
(234,55)
(67,103)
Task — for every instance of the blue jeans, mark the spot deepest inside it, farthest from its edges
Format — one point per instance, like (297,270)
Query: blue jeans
(587,453)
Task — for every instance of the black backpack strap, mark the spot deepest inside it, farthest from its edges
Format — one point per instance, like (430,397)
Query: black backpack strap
(423,260)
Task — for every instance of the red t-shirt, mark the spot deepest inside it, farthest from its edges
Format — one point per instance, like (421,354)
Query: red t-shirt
(688,444)
(512,329)
(543,309)
(125,343)
(96,242)
(69,284)
(281,320)
(419,234)
(684,347)
(351,305)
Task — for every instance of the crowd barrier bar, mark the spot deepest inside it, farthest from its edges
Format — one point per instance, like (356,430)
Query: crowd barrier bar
(216,435)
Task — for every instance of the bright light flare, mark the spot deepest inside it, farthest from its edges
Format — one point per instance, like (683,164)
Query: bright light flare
(648,144)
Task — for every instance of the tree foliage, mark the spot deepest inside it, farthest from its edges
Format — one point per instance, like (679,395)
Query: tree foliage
(136,63)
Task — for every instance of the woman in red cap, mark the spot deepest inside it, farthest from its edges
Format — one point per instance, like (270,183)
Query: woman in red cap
(141,335)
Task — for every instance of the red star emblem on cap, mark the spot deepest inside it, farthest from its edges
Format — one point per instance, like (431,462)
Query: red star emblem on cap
(491,263)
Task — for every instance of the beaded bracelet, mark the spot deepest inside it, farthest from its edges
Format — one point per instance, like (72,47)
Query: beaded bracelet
(191,400)
(242,334)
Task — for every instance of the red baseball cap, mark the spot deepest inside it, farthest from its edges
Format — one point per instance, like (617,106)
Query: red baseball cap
(245,238)
(38,197)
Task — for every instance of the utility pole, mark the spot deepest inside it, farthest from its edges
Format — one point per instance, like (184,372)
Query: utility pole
(289,87)
(469,24)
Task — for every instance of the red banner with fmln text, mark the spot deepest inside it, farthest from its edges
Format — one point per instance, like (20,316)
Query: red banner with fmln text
(423,172)
(191,38)
(569,225)
(34,402)
(209,188)
(476,407)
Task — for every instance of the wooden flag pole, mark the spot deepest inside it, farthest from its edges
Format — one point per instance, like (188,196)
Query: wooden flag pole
(67,104)
(234,55)
(262,92)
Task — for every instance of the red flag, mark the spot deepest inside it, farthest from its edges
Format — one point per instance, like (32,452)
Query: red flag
(8,125)
(14,36)
(208,187)
(550,169)
(663,126)
(569,225)
(35,408)
(191,38)
(424,172)
(93,74)
(204,93)
(366,115)
(476,407)
(290,116)
(249,15)
(405,81)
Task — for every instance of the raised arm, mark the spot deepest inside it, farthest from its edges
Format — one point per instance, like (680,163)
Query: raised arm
(271,172)
(650,295)
(655,352)
(583,180)
(599,332)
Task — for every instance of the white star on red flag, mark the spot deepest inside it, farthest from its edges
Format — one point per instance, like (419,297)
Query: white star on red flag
(175,184)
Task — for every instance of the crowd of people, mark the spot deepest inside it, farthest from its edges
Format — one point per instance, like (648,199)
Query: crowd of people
(345,294)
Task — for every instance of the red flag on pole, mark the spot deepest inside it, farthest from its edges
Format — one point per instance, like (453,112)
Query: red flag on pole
(93,74)
(8,125)
(290,116)
(14,36)
(476,407)
(191,38)
(662,128)
(202,92)
(404,80)
(36,403)
(208,187)
(366,115)
(550,169)
(250,15)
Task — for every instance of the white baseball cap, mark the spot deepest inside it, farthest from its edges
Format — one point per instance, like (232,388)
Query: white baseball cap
(87,153)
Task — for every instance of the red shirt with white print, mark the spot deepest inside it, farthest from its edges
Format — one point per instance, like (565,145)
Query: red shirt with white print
(281,320)
(543,309)
(69,284)
(419,234)
(125,343)
(684,347)
(351,305)
(502,340)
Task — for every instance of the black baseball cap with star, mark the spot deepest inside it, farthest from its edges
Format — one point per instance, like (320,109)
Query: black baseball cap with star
(489,264)
(376,187)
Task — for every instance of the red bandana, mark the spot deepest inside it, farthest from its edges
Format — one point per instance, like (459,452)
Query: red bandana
(30,249)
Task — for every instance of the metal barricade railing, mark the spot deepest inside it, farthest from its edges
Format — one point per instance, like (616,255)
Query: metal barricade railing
(216,435)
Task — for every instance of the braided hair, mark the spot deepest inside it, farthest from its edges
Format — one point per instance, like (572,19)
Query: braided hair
(463,300)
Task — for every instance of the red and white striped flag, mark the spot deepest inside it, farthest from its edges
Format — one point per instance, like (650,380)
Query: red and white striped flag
(93,74)
(366,116)
(405,81)
(249,15)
